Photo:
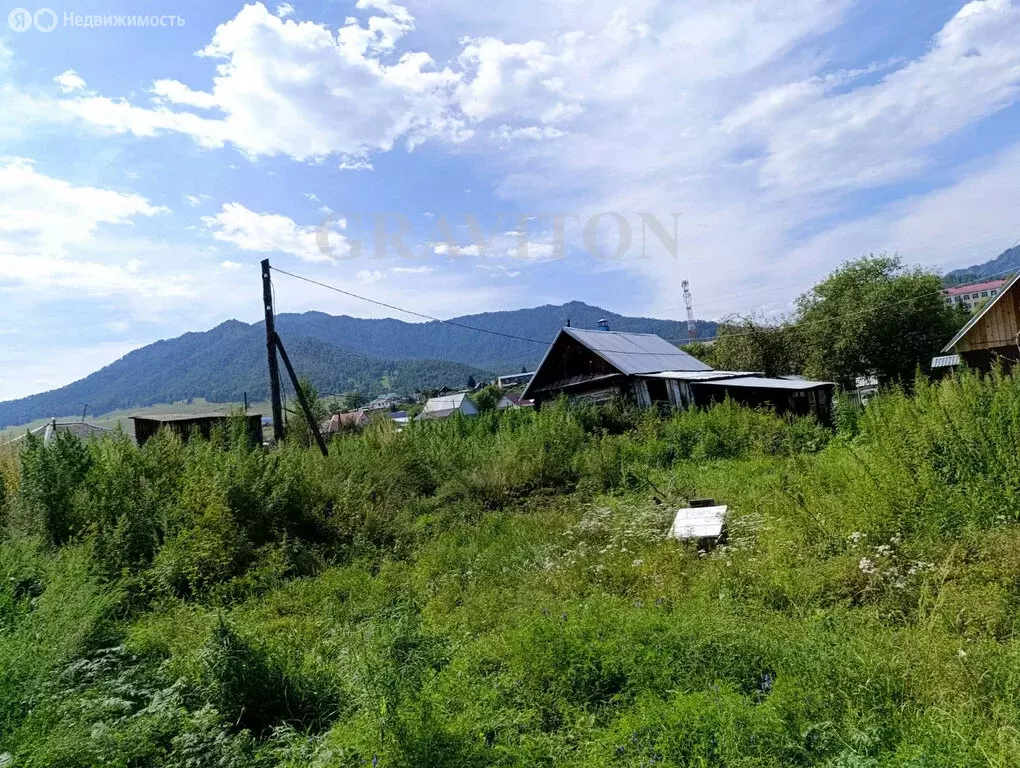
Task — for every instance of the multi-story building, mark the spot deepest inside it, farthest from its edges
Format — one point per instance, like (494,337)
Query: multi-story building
(973,295)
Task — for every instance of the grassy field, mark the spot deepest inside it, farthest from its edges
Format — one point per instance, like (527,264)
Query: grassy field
(499,591)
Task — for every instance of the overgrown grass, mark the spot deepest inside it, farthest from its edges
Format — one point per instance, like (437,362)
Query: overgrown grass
(499,591)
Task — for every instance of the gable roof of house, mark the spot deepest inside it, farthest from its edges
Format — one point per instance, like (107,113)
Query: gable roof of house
(634,353)
(631,354)
(984,311)
(445,402)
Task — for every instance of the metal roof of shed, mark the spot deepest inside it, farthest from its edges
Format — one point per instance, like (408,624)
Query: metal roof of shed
(636,353)
(762,382)
(708,375)
(184,416)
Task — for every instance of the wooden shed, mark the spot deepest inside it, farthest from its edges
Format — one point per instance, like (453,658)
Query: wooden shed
(188,424)
(990,335)
(597,366)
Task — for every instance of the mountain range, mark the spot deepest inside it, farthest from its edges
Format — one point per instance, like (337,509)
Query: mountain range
(337,353)
(341,354)
(1006,262)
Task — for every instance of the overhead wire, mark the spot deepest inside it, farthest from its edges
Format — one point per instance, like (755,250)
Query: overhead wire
(409,311)
(735,334)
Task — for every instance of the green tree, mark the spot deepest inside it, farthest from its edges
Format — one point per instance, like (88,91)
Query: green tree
(298,427)
(755,344)
(874,316)
(487,399)
(351,401)
(471,382)
(51,475)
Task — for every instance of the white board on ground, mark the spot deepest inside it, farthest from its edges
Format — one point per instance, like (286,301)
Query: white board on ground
(698,523)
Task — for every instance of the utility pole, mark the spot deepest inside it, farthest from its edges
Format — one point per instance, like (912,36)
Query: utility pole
(692,328)
(274,365)
(301,396)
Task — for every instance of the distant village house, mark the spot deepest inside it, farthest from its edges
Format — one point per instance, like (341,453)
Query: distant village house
(447,405)
(972,295)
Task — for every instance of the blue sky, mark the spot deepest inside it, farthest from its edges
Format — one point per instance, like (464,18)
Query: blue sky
(146,170)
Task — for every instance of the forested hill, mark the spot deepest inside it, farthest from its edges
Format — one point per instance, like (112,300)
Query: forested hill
(398,340)
(338,354)
(1006,262)
(222,364)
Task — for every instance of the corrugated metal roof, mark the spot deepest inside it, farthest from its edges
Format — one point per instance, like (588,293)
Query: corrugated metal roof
(445,402)
(183,416)
(945,361)
(708,375)
(984,310)
(761,382)
(636,353)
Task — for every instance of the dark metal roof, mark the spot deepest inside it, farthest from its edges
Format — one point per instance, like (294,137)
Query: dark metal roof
(636,353)
(186,416)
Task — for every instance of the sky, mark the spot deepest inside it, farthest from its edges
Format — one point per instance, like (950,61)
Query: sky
(453,157)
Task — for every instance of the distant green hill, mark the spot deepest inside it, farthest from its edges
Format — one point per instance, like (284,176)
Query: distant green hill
(398,340)
(1006,262)
(222,364)
(338,354)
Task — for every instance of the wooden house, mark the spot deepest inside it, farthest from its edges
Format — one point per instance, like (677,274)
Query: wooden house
(599,365)
(989,336)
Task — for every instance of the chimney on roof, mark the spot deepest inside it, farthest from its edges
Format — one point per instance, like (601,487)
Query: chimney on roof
(603,324)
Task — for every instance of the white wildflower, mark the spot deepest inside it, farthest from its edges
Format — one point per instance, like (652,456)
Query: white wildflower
(961,653)
(866,565)
(638,563)
(855,537)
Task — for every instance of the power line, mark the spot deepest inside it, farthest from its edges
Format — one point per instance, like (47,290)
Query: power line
(865,311)
(546,343)
(799,283)
(410,311)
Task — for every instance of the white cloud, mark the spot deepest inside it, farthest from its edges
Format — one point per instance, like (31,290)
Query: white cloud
(298,89)
(283,10)
(273,233)
(196,200)
(412,270)
(231,266)
(879,133)
(69,81)
(48,231)
(369,275)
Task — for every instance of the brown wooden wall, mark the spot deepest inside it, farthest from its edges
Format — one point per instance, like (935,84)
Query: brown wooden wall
(998,327)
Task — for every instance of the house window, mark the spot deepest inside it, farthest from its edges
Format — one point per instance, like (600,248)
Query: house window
(657,392)
(984,293)
(994,291)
